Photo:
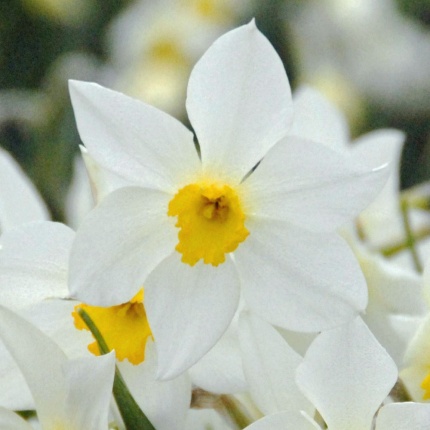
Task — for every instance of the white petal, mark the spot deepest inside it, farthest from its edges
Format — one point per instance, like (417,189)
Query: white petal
(426,282)
(165,403)
(118,244)
(102,181)
(397,290)
(89,389)
(396,302)
(417,360)
(40,361)
(310,185)
(54,318)
(380,147)
(285,421)
(198,419)
(270,364)
(79,199)
(134,140)
(188,308)
(239,101)
(20,202)
(317,119)
(290,279)
(410,416)
(220,370)
(11,421)
(33,263)
(347,375)
(14,393)
(375,149)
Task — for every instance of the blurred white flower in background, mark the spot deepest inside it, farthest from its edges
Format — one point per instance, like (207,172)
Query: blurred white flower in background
(168,37)
(366,48)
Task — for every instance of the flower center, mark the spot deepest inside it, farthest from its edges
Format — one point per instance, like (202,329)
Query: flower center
(425,385)
(124,327)
(211,222)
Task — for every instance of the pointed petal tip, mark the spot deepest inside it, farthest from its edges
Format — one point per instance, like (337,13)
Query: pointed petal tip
(252,24)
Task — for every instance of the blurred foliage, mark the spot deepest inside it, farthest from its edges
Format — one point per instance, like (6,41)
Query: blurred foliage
(419,9)
(31,42)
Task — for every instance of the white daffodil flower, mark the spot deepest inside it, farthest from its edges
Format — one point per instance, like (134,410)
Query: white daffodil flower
(33,273)
(347,375)
(69,394)
(272,199)
(20,202)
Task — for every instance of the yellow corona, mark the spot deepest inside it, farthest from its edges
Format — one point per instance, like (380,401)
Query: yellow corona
(211,222)
(124,327)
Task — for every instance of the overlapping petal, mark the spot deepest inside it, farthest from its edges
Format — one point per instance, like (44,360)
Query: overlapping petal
(188,308)
(134,140)
(20,202)
(88,383)
(220,370)
(239,101)
(58,385)
(347,374)
(408,415)
(270,365)
(165,403)
(292,183)
(118,244)
(289,278)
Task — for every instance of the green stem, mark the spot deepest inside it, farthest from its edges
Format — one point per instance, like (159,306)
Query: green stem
(391,250)
(132,415)
(410,238)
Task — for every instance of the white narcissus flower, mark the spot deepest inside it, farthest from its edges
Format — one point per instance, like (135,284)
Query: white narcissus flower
(33,273)
(69,394)
(273,200)
(347,375)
